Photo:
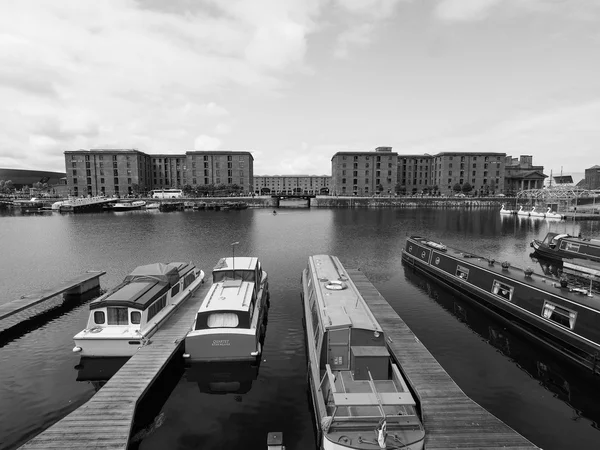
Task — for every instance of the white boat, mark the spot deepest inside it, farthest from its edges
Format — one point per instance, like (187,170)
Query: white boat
(506,211)
(230,323)
(534,213)
(154,205)
(124,319)
(520,212)
(129,206)
(360,397)
(552,215)
(56,205)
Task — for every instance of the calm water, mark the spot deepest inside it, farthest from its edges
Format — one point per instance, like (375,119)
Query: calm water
(527,386)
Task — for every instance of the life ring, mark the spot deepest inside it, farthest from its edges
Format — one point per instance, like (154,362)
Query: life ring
(335,285)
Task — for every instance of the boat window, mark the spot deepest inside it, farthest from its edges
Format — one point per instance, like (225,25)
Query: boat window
(136,317)
(244,275)
(99,317)
(175,290)
(117,316)
(188,280)
(315,317)
(462,272)
(559,315)
(157,306)
(570,246)
(502,290)
(223,320)
(318,336)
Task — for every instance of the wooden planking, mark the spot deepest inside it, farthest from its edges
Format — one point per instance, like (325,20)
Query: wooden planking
(26,301)
(451,419)
(105,421)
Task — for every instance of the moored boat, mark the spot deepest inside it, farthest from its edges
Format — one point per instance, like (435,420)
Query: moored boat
(129,205)
(506,211)
(125,318)
(360,398)
(28,205)
(566,317)
(562,246)
(154,205)
(231,321)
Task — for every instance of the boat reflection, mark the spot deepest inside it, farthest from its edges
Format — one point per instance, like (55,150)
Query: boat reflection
(97,371)
(230,377)
(575,386)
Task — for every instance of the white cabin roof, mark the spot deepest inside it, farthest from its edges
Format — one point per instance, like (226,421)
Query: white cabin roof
(344,307)
(231,295)
(240,263)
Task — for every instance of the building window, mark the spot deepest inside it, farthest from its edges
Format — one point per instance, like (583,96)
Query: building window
(74,173)
(128,180)
(343,181)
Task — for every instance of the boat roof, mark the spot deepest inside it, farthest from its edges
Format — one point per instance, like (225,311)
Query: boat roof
(536,280)
(230,295)
(240,263)
(137,294)
(344,307)
(158,272)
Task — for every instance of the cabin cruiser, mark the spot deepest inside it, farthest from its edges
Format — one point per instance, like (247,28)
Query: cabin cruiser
(361,399)
(129,206)
(124,319)
(231,321)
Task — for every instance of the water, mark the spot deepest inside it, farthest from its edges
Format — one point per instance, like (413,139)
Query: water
(530,388)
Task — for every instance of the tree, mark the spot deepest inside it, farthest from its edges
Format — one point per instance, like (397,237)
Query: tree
(379,188)
(457,188)
(187,190)
(466,188)
(6,187)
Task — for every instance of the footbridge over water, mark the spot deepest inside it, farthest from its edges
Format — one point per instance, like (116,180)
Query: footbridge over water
(278,197)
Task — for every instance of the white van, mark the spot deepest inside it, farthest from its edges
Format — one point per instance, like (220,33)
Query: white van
(167,193)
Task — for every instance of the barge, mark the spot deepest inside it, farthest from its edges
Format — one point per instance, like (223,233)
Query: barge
(360,397)
(566,317)
(561,247)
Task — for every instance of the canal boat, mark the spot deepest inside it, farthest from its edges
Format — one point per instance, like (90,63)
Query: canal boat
(231,321)
(124,319)
(360,397)
(560,247)
(129,205)
(565,316)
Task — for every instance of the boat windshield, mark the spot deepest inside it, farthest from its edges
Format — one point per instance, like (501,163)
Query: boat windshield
(244,275)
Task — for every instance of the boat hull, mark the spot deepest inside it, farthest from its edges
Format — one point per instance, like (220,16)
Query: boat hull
(525,308)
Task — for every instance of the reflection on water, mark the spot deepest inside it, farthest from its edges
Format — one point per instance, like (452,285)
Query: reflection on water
(576,387)
(223,377)
(97,371)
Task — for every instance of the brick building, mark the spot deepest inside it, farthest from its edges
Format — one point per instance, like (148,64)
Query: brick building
(292,184)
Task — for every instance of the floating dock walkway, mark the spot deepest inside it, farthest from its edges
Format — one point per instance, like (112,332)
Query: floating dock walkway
(105,421)
(76,286)
(451,419)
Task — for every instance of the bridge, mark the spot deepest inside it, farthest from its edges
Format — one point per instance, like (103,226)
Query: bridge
(86,204)
(277,197)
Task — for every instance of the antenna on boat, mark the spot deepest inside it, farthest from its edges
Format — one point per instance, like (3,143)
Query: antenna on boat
(233,244)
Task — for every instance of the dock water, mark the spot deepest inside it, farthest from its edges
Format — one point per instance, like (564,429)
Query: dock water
(451,419)
(105,421)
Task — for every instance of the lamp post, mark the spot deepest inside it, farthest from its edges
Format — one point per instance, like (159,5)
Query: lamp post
(233,244)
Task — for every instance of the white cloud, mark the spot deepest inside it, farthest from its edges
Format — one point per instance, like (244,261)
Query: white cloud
(204,142)
(223,128)
(359,36)
(565,137)
(464,10)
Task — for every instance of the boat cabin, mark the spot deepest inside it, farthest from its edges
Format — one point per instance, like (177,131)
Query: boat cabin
(141,296)
(230,303)
(345,334)
(239,268)
(575,246)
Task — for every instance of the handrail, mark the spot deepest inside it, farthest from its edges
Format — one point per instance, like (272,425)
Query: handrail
(374,389)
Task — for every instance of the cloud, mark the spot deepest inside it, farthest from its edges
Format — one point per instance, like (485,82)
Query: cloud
(223,128)
(464,10)
(359,36)
(204,142)
(565,136)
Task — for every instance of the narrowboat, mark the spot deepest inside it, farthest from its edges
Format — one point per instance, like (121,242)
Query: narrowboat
(124,319)
(565,316)
(561,247)
(360,397)
(231,321)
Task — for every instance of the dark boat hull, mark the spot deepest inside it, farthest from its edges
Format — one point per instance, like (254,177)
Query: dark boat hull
(526,305)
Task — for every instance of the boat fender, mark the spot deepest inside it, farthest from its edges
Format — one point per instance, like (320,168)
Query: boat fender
(335,285)
(326,423)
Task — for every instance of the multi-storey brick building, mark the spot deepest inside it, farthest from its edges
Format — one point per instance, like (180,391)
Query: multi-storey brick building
(364,173)
(414,174)
(123,172)
(483,171)
(592,177)
(107,172)
(292,184)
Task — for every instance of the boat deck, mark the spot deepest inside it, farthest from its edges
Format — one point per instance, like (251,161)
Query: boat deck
(105,421)
(451,419)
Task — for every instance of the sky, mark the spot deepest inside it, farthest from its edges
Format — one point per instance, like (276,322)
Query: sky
(295,81)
